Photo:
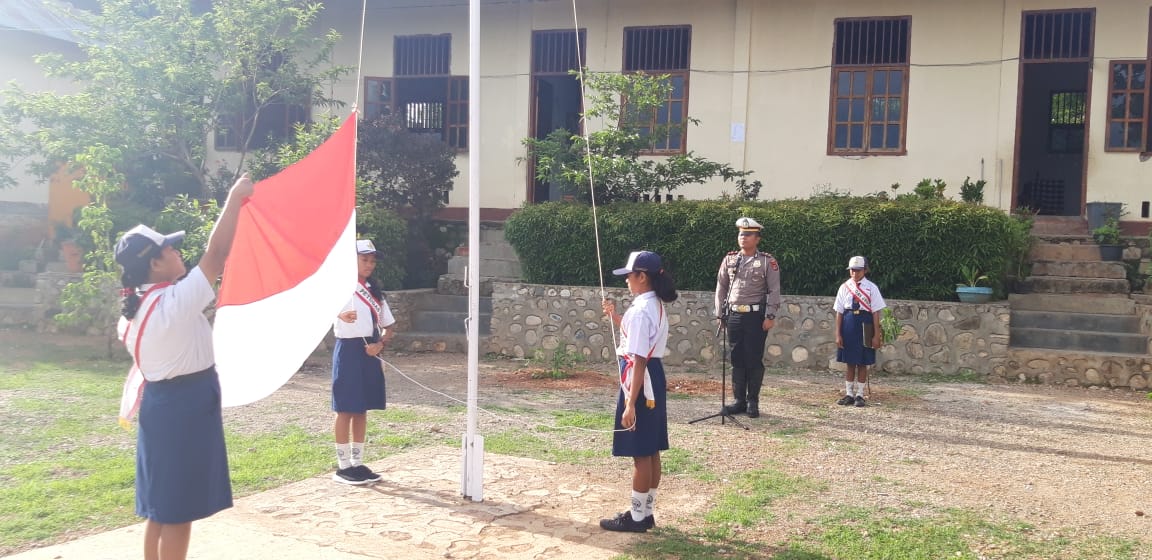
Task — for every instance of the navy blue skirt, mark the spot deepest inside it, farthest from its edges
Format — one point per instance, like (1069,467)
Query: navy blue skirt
(852,331)
(181,461)
(651,433)
(357,378)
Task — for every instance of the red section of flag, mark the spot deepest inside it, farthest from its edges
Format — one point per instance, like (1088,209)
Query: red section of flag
(290,224)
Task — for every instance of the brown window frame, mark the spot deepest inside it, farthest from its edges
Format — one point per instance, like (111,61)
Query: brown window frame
(870,71)
(451,110)
(672,72)
(1127,120)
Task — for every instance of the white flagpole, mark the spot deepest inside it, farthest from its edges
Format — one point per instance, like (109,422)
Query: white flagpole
(472,469)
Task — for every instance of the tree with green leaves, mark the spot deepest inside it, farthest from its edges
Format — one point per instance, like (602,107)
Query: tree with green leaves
(617,154)
(157,81)
(160,78)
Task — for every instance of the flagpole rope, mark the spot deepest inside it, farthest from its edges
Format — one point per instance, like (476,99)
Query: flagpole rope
(588,159)
(360,55)
(493,414)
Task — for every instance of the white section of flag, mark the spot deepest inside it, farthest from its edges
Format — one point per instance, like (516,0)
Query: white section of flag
(260,345)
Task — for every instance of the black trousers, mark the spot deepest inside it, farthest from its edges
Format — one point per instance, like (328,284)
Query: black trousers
(746,339)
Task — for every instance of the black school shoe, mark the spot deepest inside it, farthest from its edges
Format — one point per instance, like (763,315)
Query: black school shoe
(366,473)
(624,523)
(649,522)
(349,476)
(846,400)
(860,402)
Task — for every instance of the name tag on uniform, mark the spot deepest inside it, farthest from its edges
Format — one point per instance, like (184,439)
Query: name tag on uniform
(756,264)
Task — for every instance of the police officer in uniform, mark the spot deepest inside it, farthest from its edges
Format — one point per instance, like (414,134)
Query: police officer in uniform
(747,298)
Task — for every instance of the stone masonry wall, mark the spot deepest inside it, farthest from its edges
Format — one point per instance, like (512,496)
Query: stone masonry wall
(938,337)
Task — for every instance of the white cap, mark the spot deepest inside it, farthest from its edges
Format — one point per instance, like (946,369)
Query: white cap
(857,263)
(365,247)
(748,224)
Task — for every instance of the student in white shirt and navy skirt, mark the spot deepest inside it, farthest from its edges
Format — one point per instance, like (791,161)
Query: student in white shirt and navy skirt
(362,329)
(181,461)
(641,430)
(858,302)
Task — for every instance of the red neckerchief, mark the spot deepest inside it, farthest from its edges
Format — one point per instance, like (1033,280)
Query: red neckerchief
(135,381)
(859,295)
(373,304)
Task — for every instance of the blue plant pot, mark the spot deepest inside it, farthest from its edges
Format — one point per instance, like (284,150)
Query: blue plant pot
(974,294)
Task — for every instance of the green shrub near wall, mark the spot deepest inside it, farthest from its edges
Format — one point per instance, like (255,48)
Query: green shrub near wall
(389,233)
(916,247)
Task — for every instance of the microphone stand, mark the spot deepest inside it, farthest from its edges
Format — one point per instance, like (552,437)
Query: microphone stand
(723,414)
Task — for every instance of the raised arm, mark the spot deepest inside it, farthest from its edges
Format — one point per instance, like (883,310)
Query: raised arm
(220,242)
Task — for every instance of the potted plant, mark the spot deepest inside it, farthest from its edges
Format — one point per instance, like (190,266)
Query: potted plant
(970,291)
(1107,236)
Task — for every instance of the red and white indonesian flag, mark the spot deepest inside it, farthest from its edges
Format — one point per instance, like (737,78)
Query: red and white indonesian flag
(291,269)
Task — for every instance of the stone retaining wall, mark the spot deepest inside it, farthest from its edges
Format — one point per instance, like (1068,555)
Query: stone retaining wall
(938,337)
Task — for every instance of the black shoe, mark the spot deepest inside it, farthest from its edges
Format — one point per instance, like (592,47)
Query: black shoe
(860,402)
(735,408)
(846,400)
(753,409)
(349,476)
(649,522)
(624,523)
(366,473)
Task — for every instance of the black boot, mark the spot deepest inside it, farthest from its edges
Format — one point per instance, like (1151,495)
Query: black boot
(739,392)
(755,380)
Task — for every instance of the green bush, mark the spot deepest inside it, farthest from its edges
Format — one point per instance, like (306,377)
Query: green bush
(389,233)
(916,247)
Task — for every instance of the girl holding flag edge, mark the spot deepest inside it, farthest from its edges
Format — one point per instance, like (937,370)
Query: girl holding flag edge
(858,334)
(641,430)
(181,460)
(362,330)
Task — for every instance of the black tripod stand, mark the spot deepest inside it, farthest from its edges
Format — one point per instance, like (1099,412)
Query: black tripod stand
(723,414)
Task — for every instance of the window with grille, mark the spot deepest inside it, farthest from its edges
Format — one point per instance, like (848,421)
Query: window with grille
(869,86)
(1057,35)
(556,52)
(662,51)
(422,93)
(1066,122)
(1127,106)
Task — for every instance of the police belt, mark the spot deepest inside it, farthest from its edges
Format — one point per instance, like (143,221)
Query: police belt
(745,308)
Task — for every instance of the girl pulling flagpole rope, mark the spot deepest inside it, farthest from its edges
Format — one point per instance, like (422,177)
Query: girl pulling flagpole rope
(641,430)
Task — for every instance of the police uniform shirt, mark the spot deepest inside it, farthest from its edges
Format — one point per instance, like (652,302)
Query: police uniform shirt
(362,326)
(177,339)
(744,280)
(844,296)
(644,328)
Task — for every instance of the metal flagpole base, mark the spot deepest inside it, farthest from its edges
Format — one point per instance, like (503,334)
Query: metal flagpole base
(472,468)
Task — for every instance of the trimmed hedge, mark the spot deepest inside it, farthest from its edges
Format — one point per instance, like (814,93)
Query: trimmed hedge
(915,247)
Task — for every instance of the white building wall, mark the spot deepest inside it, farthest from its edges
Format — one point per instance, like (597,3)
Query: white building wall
(764,65)
(17,60)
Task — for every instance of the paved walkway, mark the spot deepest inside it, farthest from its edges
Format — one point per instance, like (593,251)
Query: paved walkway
(531,509)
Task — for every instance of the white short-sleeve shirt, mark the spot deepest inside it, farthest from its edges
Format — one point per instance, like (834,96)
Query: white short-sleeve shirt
(644,328)
(844,296)
(176,339)
(362,326)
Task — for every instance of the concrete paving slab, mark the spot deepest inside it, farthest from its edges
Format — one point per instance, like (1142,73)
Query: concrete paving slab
(532,509)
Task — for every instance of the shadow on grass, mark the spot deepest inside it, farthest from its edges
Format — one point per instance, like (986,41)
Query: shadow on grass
(673,544)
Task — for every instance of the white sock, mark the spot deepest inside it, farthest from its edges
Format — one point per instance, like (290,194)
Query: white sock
(860,388)
(638,500)
(357,453)
(650,502)
(848,388)
(343,455)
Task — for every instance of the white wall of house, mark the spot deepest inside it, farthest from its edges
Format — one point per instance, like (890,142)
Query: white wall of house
(764,65)
(17,60)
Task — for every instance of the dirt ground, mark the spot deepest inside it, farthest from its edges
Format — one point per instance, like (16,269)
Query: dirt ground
(1067,461)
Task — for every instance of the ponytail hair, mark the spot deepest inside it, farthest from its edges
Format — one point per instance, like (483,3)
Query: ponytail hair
(374,288)
(130,298)
(664,286)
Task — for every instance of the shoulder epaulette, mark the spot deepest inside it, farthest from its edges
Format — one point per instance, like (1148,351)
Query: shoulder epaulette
(732,252)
